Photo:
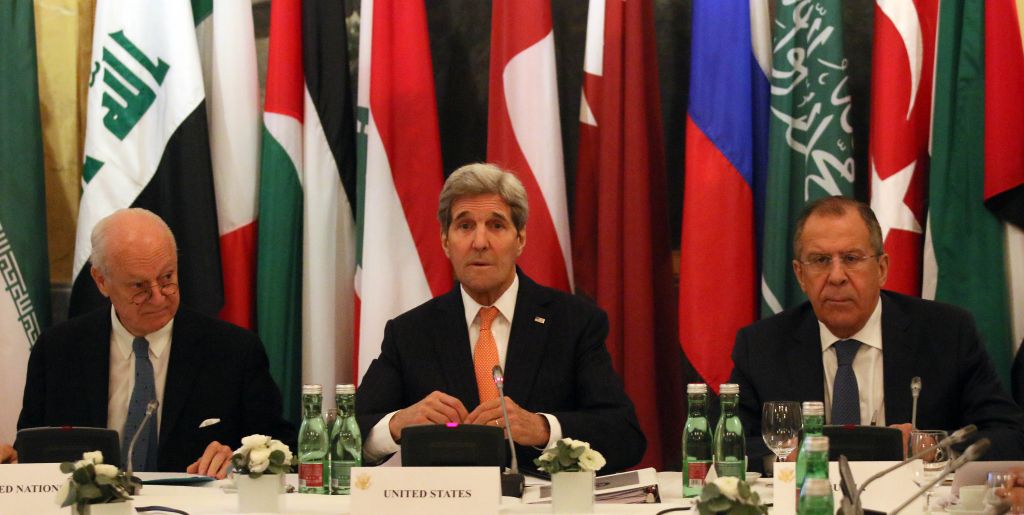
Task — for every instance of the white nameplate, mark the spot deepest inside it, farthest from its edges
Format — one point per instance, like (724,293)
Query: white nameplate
(31,488)
(882,495)
(425,490)
(784,488)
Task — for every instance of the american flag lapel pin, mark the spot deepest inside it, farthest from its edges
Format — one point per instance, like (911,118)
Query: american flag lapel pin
(539,320)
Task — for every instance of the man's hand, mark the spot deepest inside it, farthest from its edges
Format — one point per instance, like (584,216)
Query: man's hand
(527,428)
(214,462)
(8,454)
(905,429)
(436,408)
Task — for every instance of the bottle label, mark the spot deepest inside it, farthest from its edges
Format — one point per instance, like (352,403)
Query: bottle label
(311,475)
(340,474)
(696,472)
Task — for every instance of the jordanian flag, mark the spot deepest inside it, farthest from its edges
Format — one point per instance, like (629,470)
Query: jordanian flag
(810,139)
(227,47)
(24,267)
(146,142)
(306,261)
(401,263)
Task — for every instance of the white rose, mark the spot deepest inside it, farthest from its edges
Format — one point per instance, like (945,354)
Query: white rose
(254,441)
(591,460)
(62,493)
(94,456)
(82,463)
(106,470)
(259,460)
(576,444)
(729,486)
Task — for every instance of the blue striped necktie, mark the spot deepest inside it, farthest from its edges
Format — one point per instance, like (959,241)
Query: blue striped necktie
(145,390)
(845,393)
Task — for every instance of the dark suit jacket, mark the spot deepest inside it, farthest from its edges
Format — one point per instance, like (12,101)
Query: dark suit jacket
(216,370)
(779,358)
(556,363)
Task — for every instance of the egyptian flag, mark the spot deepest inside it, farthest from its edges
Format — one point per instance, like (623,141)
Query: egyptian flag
(306,257)
(524,134)
(401,263)
(146,142)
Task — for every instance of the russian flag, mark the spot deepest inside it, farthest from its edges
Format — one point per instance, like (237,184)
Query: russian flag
(726,159)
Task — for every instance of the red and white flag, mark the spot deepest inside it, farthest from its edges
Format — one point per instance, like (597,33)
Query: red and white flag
(901,99)
(400,263)
(524,134)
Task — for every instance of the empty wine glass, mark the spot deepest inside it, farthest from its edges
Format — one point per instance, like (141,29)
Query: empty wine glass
(932,464)
(780,427)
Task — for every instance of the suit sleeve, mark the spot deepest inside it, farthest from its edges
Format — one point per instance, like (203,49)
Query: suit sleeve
(750,402)
(380,391)
(33,405)
(604,416)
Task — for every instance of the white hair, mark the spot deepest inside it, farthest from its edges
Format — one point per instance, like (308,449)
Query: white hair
(104,231)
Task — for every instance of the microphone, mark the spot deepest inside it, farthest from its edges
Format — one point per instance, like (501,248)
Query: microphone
(915,392)
(512,483)
(973,452)
(150,409)
(958,436)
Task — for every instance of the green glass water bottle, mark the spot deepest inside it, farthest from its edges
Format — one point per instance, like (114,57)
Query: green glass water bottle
(730,444)
(346,440)
(813,422)
(313,442)
(697,440)
(816,498)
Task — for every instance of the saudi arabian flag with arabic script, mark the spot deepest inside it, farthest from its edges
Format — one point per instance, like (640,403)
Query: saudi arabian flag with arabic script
(810,139)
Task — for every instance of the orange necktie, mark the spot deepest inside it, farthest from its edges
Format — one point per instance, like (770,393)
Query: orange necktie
(485,356)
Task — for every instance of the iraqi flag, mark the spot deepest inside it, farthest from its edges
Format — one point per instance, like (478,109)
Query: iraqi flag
(620,237)
(401,264)
(726,162)
(901,100)
(524,134)
(227,48)
(146,142)
(306,257)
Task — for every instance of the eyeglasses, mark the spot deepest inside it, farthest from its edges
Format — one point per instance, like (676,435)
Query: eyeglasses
(820,263)
(143,296)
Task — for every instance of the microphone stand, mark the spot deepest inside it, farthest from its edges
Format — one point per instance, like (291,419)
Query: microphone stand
(915,392)
(970,454)
(512,483)
(135,484)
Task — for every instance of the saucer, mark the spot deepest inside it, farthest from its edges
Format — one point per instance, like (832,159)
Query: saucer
(963,510)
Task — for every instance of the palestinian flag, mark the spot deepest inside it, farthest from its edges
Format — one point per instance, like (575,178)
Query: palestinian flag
(146,142)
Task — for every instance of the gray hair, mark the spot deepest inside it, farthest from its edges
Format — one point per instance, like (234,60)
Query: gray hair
(837,206)
(104,230)
(482,179)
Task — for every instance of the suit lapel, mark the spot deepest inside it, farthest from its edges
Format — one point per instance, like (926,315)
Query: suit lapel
(527,340)
(451,342)
(186,360)
(94,355)
(804,358)
(898,351)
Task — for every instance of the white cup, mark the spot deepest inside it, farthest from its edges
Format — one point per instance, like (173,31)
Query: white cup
(972,496)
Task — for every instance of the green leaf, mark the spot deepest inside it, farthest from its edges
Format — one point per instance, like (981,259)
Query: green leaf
(744,489)
(255,475)
(710,492)
(82,476)
(67,467)
(89,491)
(104,480)
(719,504)
(277,457)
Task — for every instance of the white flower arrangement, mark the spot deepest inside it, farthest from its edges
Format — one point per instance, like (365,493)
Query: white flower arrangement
(730,495)
(260,454)
(93,482)
(569,455)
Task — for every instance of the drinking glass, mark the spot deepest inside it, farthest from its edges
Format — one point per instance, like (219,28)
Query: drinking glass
(931,465)
(1001,486)
(780,427)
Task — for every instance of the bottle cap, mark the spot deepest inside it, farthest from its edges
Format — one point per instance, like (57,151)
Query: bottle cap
(812,408)
(816,443)
(817,487)
(696,388)
(308,389)
(345,389)
(729,388)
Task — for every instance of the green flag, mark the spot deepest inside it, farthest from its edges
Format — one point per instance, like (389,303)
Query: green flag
(810,138)
(24,267)
(964,240)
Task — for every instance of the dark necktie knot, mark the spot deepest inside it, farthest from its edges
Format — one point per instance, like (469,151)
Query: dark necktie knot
(140,346)
(846,350)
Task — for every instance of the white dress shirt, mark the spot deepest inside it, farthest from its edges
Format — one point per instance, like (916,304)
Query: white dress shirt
(122,371)
(379,444)
(867,366)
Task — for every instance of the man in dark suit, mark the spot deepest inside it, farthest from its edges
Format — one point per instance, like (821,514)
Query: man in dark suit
(852,334)
(211,378)
(559,378)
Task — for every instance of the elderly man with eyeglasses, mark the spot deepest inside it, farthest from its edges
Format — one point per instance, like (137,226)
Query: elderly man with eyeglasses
(211,379)
(856,347)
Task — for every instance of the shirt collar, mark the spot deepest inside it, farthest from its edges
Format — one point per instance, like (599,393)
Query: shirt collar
(870,334)
(506,303)
(158,340)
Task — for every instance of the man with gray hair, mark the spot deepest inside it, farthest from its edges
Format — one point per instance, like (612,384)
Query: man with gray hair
(211,379)
(436,359)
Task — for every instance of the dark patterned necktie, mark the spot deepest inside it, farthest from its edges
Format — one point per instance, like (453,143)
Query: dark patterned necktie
(144,458)
(845,394)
